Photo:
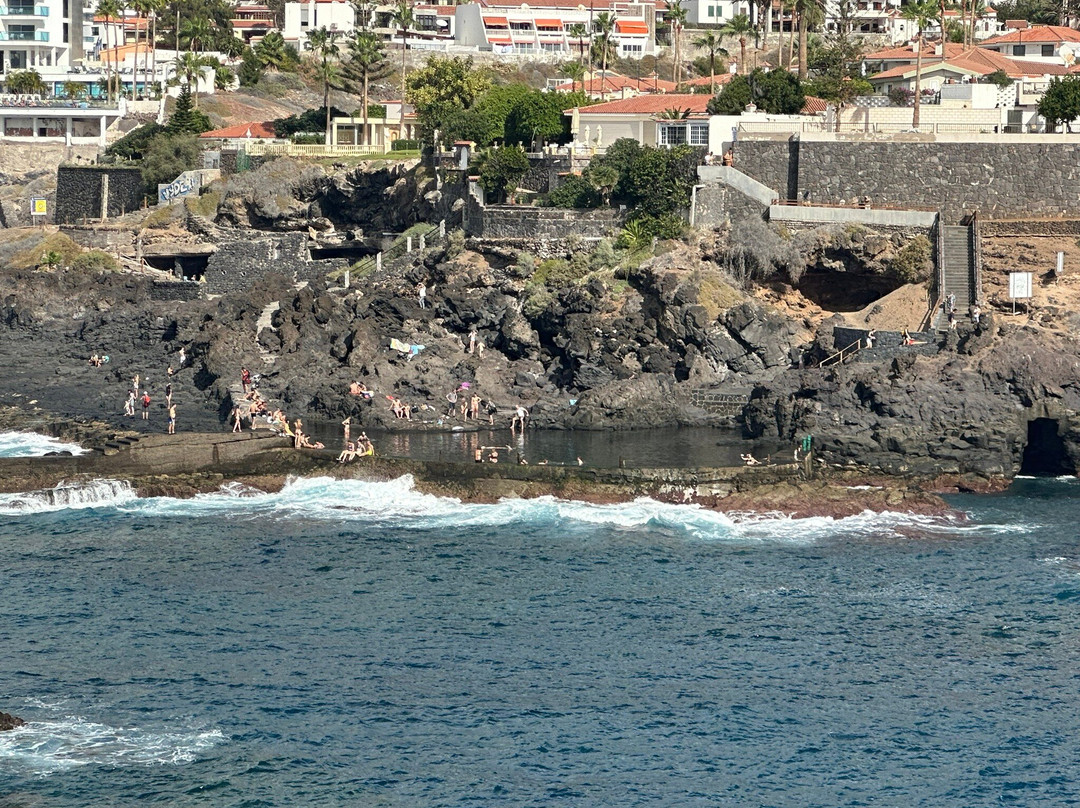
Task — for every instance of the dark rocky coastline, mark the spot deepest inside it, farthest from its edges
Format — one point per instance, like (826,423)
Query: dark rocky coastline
(9,722)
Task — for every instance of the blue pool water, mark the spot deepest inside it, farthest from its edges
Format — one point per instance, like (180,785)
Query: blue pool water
(351,643)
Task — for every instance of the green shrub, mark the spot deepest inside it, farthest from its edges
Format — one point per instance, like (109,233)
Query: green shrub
(912,262)
(455,243)
(575,192)
(309,138)
(94,261)
(402,144)
(555,273)
(536,301)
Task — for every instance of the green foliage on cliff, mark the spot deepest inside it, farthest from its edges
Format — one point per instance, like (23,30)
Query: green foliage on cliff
(913,262)
(185,118)
(502,169)
(312,120)
(167,157)
(132,145)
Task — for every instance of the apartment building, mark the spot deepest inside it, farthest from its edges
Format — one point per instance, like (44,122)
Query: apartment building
(36,34)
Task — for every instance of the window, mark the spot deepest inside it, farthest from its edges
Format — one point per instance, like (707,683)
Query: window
(719,12)
(66,12)
(674,134)
(699,134)
(1019,50)
(712,11)
(65,32)
(631,50)
(1047,50)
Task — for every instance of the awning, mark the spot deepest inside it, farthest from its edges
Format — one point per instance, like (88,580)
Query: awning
(499,40)
(630,27)
(548,23)
(496,22)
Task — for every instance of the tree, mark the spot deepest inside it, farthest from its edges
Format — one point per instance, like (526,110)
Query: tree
(311,120)
(539,116)
(776,92)
(922,13)
(738,27)
(366,54)
(711,44)
(603,178)
(273,53)
(196,32)
(605,27)
(810,12)
(186,118)
(1061,102)
(575,71)
(503,169)
(73,90)
(189,67)
(250,69)
(577,32)
(108,9)
(167,157)
(443,87)
(402,18)
(25,82)
(676,14)
(233,47)
(132,145)
(323,43)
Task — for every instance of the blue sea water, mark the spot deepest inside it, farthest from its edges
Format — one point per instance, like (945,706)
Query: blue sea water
(351,643)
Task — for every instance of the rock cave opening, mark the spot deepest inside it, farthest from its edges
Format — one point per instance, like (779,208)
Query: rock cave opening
(351,250)
(843,291)
(1045,454)
(188,267)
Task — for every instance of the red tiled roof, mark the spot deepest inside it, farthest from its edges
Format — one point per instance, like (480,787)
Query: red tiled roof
(242,130)
(650,104)
(813,105)
(613,83)
(981,62)
(705,81)
(907,52)
(1038,33)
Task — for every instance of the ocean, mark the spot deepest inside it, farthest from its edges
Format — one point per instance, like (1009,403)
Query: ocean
(346,643)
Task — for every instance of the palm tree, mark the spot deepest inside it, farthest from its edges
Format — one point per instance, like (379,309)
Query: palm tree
(189,66)
(710,43)
(365,53)
(25,82)
(271,51)
(575,71)
(323,43)
(143,8)
(677,15)
(72,89)
(157,8)
(402,18)
(810,12)
(739,26)
(605,26)
(579,32)
(108,9)
(922,13)
(196,31)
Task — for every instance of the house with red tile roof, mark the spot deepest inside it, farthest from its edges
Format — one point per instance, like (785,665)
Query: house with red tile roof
(613,86)
(1053,44)
(242,133)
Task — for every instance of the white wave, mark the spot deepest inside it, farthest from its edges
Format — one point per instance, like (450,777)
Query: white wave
(50,746)
(398,502)
(93,494)
(31,444)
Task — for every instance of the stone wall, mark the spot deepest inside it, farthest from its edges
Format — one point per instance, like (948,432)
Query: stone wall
(22,158)
(998,179)
(524,221)
(237,264)
(176,290)
(98,237)
(78,192)
(1029,227)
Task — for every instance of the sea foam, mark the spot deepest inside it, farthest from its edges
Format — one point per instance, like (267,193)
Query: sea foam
(58,745)
(73,496)
(31,444)
(398,503)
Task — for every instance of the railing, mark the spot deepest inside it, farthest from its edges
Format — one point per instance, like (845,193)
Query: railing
(875,128)
(403,246)
(24,11)
(11,100)
(24,36)
(844,353)
(310,150)
(976,255)
(798,203)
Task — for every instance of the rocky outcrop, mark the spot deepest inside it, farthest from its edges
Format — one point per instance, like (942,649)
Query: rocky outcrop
(10,722)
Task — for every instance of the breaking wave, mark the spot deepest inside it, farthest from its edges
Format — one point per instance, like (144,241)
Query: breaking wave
(50,746)
(31,444)
(93,494)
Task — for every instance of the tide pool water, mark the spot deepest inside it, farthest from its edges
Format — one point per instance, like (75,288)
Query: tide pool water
(362,644)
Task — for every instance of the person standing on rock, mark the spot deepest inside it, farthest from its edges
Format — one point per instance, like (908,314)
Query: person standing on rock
(421,294)
(245,379)
(183,357)
(472,339)
(168,394)
(346,424)
(235,416)
(172,419)
(129,405)
(520,414)
(146,405)
(135,384)
(950,302)
(474,407)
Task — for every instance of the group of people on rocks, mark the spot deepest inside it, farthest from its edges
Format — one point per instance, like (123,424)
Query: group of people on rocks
(134,400)
(361,447)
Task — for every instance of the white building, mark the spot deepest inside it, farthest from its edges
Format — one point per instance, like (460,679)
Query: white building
(543,26)
(305,17)
(719,12)
(36,34)
(1054,44)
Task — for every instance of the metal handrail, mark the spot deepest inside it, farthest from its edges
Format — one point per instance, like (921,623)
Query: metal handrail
(928,318)
(842,354)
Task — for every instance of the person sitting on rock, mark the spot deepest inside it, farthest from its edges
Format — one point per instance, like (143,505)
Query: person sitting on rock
(750,460)
(364,446)
(493,456)
(348,453)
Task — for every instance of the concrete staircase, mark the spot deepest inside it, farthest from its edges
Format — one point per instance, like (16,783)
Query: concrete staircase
(958,272)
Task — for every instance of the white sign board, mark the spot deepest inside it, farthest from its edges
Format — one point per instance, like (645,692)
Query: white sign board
(1019,285)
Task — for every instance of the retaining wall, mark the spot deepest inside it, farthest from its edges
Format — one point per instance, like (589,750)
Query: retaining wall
(78,192)
(997,179)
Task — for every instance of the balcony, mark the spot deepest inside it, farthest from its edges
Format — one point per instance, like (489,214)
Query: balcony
(24,11)
(24,36)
